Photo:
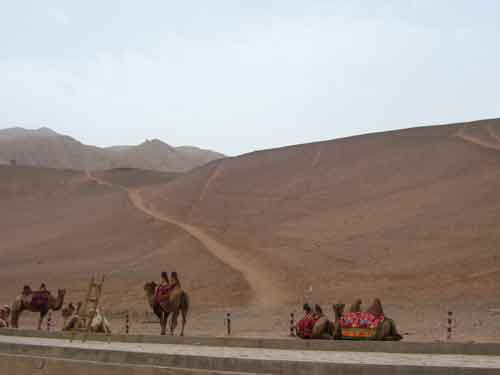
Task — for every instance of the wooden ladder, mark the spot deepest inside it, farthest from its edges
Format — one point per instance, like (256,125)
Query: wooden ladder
(90,305)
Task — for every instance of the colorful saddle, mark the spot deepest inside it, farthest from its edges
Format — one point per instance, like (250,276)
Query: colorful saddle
(163,293)
(360,325)
(40,299)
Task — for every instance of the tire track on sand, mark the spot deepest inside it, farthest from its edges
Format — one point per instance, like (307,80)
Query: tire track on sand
(263,288)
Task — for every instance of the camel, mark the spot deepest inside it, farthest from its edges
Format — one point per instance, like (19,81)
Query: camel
(178,302)
(323,328)
(21,303)
(386,331)
(4,316)
(73,321)
(68,311)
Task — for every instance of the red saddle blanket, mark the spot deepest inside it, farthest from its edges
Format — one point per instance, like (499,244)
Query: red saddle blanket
(361,320)
(40,299)
(163,293)
(305,327)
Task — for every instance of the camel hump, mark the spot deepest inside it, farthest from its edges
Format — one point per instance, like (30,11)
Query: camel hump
(176,292)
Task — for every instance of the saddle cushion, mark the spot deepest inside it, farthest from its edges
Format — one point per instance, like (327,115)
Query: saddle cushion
(360,324)
(163,293)
(40,299)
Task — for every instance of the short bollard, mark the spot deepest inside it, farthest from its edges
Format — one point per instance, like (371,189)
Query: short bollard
(49,321)
(292,324)
(127,323)
(228,323)
(449,325)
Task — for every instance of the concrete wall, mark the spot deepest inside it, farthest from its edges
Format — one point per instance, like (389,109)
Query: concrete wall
(32,365)
(138,363)
(283,343)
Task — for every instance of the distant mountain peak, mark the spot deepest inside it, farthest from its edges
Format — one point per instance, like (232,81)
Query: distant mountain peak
(18,131)
(45,131)
(45,147)
(155,143)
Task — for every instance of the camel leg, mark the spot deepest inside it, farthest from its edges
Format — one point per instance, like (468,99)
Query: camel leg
(163,324)
(16,315)
(173,322)
(337,331)
(183,317)
(40,320)
(388,331)
(13,319)
(393,333)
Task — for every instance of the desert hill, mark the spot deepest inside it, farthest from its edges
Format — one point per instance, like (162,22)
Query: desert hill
(61,227)
(46,148)
(406,215)
(410,216)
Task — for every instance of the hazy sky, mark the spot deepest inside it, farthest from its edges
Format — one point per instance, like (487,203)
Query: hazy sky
(236,76)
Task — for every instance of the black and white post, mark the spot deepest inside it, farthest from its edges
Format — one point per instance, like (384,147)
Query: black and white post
(127,323)
(449,325)
(49,321)
(292,324)
(228,323)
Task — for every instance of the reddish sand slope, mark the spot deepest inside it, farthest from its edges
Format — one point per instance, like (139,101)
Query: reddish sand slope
(60,227)
(406,215)
(410,216)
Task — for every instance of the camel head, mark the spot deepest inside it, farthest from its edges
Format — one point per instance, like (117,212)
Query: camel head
(68,311)
(150,288)
(338,308)
(5,312)
(57,303)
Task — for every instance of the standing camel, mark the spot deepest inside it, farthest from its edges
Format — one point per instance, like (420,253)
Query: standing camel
(178,301)
(47,303)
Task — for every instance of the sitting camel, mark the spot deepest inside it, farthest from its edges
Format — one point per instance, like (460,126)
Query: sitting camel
(4,316)
(386,329)
(315,324)
(73,320)
(323,327)
(40,301)
(177,302)
(68,311)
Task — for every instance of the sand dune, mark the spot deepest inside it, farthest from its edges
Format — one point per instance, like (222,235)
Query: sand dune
(59,227)
(405,215)
(410,216)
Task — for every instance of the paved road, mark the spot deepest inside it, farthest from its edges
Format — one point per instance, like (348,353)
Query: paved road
(423,360)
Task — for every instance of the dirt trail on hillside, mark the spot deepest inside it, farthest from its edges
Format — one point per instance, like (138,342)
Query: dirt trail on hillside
(210,180)
(493,145)
(493,134)
(263,289)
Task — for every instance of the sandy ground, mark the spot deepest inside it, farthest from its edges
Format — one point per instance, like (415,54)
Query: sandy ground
(420,324)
